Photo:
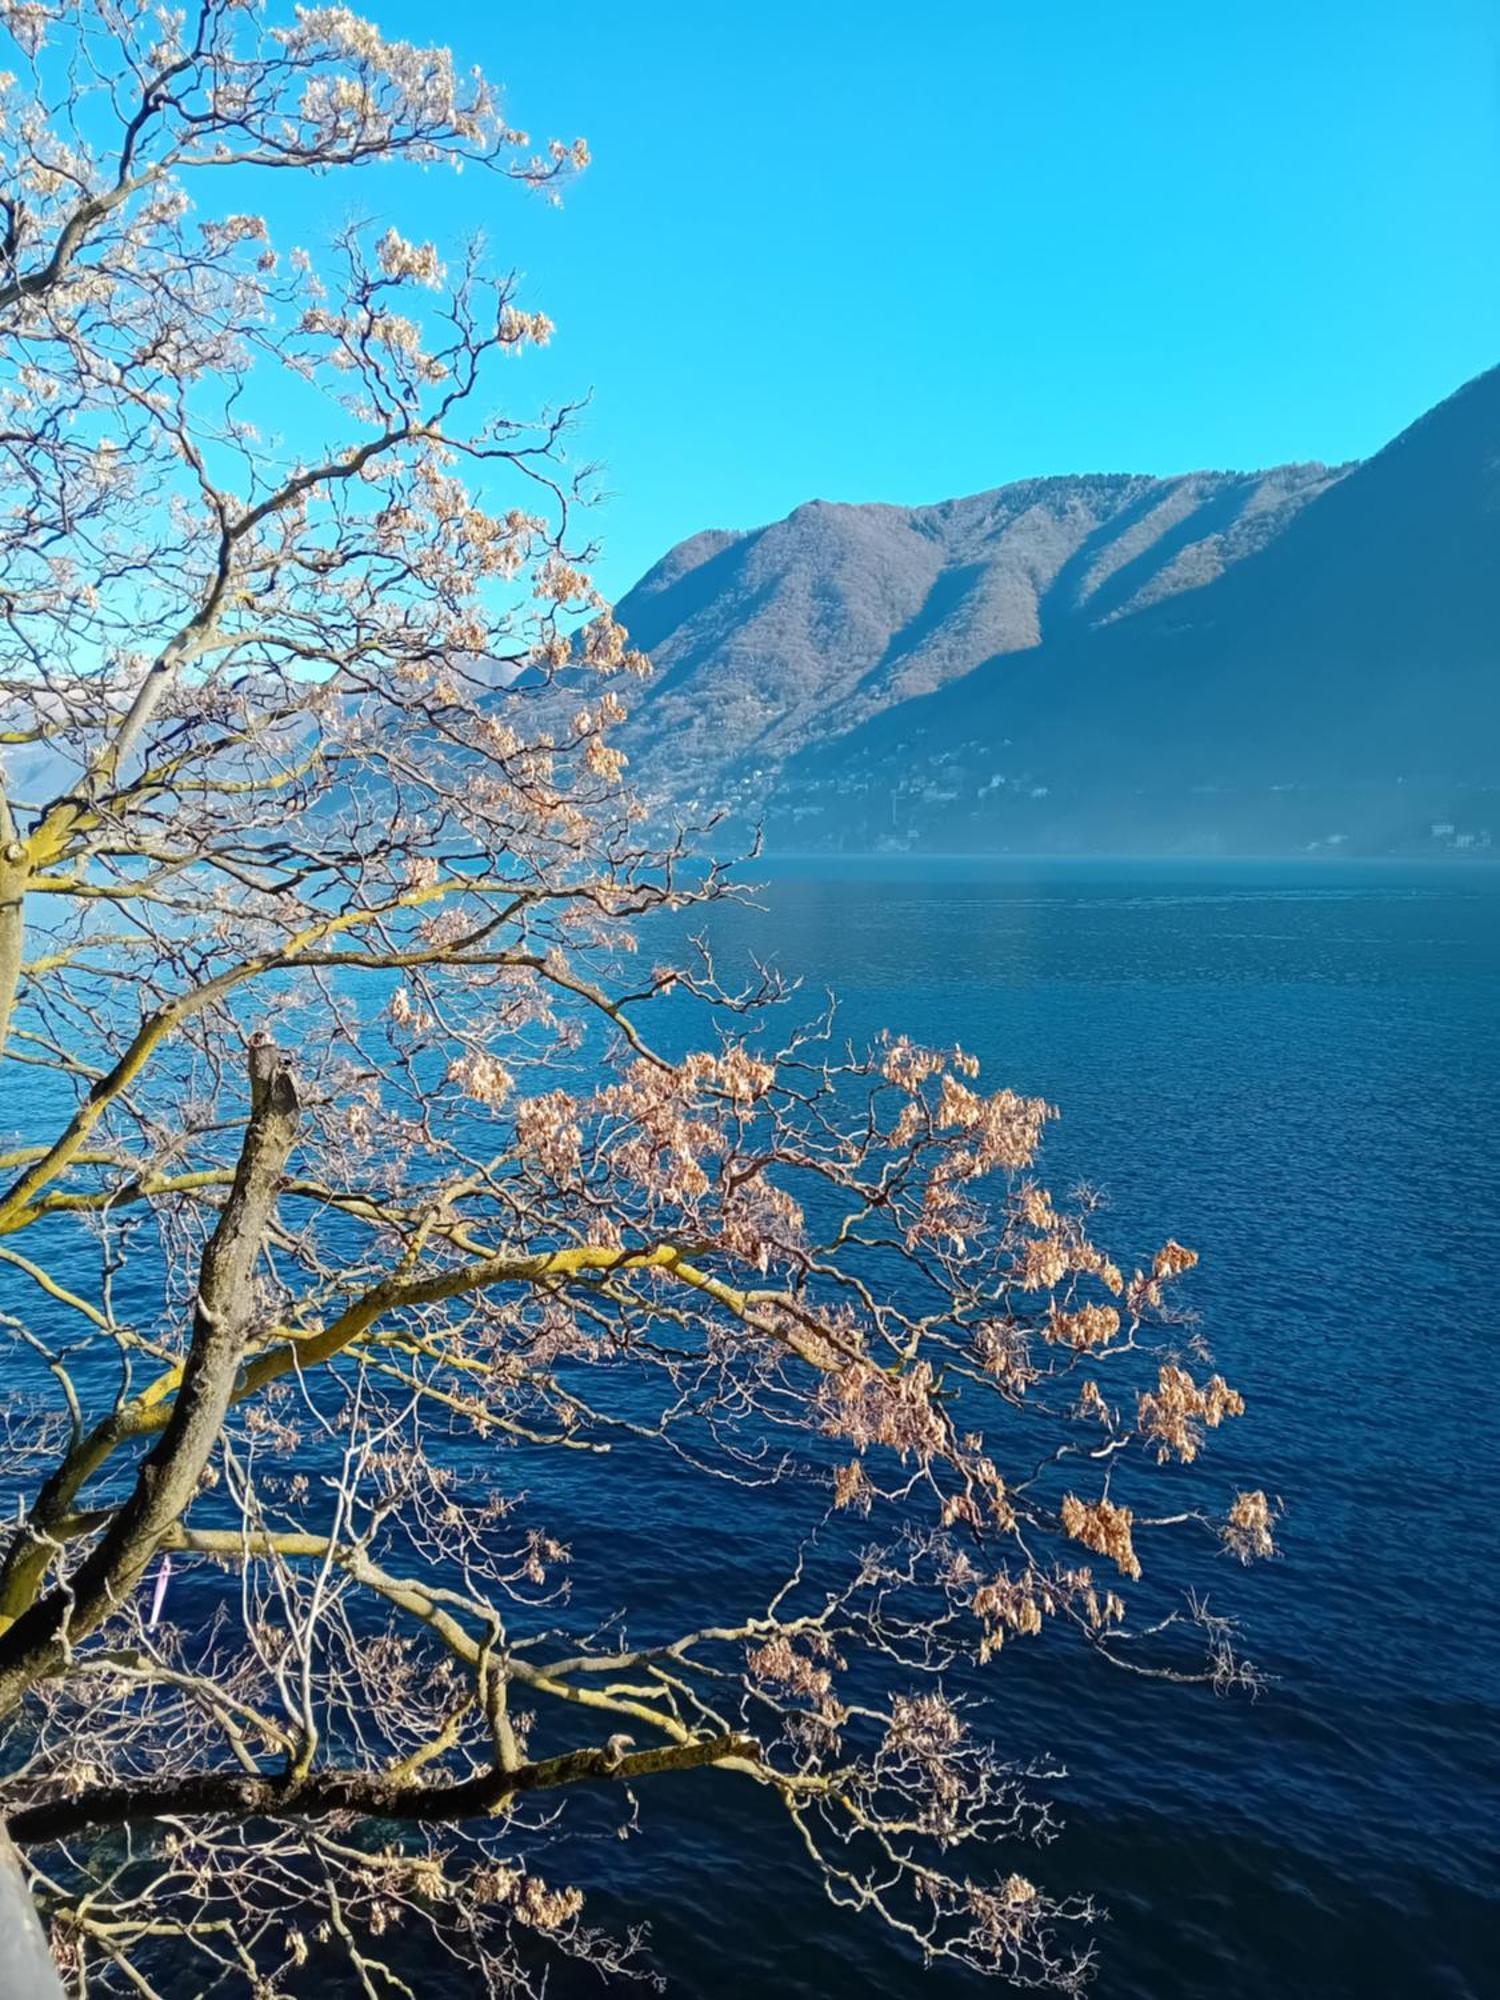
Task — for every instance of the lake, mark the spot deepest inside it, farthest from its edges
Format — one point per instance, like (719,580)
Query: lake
(1294,1069)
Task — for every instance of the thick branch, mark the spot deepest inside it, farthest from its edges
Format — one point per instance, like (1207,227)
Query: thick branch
(71,238)
(221,1794)
(38,1641)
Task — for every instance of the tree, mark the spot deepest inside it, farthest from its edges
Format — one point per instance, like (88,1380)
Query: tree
(346,1188)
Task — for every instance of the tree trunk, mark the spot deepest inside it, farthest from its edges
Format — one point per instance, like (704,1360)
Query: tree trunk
(39,1640)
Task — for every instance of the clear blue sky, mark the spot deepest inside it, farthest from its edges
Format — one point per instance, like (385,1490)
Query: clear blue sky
(911,248)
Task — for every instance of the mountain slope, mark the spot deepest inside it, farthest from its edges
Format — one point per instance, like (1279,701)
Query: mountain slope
(1343,683)
(761,641)
(1219,662)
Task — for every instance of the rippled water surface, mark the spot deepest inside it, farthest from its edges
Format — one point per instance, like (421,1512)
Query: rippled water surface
(1297,1071)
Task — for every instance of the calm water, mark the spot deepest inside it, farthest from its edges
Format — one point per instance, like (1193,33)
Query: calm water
(1296,1070)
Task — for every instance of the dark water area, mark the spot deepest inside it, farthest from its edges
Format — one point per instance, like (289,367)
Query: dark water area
(1294,1069)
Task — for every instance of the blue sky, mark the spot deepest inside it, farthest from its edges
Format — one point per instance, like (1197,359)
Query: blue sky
(903,251)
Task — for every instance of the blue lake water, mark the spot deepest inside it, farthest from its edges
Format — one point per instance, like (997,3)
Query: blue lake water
(1296,1070)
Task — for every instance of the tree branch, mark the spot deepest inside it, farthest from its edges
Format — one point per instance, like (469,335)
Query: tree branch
(376,1797)
(42,1635)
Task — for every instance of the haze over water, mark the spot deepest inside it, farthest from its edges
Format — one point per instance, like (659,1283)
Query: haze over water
(1294,1070)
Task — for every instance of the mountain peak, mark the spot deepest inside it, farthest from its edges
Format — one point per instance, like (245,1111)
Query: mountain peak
(765,639)
(1112,660)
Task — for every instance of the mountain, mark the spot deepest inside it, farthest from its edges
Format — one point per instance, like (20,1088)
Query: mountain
(1219,662)
(762,641)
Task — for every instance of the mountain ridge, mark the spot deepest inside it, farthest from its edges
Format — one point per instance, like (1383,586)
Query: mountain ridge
(1117,644)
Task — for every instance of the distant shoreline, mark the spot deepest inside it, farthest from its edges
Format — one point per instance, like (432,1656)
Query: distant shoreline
(1334,862)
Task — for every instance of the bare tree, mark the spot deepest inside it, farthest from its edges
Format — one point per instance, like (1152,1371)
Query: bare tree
(347,1189)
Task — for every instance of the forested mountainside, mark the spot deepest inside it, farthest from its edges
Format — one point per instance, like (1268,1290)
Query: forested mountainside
(1221,662)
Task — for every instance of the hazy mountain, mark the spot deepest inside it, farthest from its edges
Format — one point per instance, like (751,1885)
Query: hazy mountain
(764,640)
(1216,662)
